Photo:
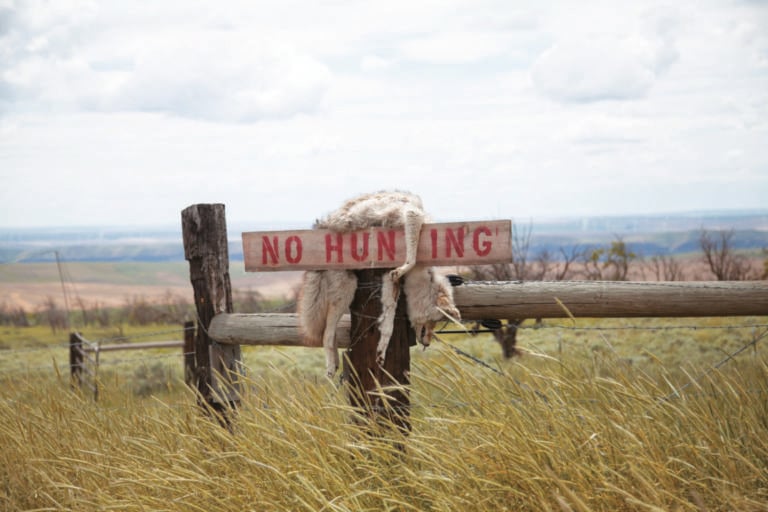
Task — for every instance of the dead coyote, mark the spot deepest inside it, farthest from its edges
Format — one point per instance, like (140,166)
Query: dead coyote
(327,294)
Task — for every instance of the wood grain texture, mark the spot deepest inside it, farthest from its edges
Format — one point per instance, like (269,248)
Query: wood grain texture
(204,231)
(536,299)
(454,243)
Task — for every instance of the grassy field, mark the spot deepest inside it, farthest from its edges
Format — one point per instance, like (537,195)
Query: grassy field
(608,415)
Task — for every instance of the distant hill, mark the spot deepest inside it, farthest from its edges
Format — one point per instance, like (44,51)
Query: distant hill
(646,235)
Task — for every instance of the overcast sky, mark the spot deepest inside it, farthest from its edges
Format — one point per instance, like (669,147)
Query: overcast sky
(125,112)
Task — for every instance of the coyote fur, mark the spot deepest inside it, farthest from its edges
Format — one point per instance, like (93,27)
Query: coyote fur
(327,294)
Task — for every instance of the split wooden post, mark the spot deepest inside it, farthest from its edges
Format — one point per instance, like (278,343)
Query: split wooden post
(217,366)
(75,360)
(379,393)
(189,353)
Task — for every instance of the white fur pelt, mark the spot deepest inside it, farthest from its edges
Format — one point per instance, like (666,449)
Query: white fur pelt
(327,294)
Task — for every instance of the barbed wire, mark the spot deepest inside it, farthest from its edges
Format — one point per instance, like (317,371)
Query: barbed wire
(637,327)
(469,330)
(111,362)
(22,350)
(124,337)
(727,359)
(709,285)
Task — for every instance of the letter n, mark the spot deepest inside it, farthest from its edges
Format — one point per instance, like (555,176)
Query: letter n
(451,240)
(269,249)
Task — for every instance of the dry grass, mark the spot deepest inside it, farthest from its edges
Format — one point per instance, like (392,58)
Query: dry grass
(585,430)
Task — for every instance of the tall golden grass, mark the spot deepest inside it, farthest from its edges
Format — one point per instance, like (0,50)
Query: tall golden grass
(591,430)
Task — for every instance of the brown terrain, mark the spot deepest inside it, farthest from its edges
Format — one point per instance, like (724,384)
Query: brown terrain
(20,290)
(29,286)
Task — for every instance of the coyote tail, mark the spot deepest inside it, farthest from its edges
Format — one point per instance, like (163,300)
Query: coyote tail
(312,308)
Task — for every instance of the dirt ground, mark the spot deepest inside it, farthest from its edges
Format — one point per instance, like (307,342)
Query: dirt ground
(32,296)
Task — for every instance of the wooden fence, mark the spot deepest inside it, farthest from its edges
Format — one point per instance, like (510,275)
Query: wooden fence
(85,356)
(221,331)
(537,299)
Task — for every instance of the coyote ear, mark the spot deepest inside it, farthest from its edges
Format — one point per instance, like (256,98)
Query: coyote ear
(455,279)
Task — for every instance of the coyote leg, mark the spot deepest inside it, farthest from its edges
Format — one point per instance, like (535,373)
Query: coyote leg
(414,219)
(342,286)
(389,294)
(390,284)
(329,340)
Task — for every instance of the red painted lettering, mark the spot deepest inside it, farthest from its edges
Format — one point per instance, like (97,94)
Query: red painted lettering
(386,242)
(269,248)
(433,237)
(451,240)
(356,255)
(330,247)
(295,255)
(486,245)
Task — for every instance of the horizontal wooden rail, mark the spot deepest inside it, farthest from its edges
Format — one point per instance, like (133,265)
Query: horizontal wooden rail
(611,299)
(266,329)
(135,346)
(537,299)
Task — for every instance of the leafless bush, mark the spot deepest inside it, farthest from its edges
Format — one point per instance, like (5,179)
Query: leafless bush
(665,268)
(15,316)
(248,301)
(556,268)
(170,309)
(723,261)
(56,318)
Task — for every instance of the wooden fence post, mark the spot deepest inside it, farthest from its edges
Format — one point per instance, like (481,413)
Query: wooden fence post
(75,360)
(378,392)
(188,350)
(217,366)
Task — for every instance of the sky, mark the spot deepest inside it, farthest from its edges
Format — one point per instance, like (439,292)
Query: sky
(124,113)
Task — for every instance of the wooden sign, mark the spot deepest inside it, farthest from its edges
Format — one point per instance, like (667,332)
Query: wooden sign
(455,243)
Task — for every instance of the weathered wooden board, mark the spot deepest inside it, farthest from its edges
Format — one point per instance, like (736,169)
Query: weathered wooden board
(454,243)
(537,299)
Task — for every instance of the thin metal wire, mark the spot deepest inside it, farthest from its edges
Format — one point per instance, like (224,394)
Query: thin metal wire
(638,327)
(468,355)
(143,335)
(23,350)
(141,359)
(728,358)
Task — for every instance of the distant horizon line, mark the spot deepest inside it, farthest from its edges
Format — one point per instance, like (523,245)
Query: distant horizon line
(296,224)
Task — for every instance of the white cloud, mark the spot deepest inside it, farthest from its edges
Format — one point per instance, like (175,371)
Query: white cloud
(189,71)
(223,77)
(101,101)
(454,47)
(372,63)
(600,68)
(612,59)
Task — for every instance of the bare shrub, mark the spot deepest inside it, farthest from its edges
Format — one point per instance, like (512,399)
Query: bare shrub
(15,316)
(665,268)
(56,318)
(722,259)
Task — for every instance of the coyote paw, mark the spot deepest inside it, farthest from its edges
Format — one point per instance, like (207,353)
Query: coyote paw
(396,274)
(400,271)
(380,358)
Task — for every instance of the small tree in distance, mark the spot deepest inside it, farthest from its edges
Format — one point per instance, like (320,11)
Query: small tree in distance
(719,254)
(608,263)
(765,264)
(666,268)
